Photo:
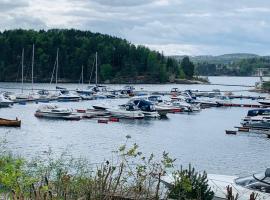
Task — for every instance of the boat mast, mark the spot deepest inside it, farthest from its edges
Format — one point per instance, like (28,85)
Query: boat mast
(96,69)
(22,67)
(56,73)
(82,74)
(33,59)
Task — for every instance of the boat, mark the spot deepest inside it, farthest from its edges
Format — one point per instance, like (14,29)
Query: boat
(257,118)
(96,113)
(147,107)
(10,123)
(163,106)
(67,97)
(230,132)
(5,102)
(243,186)
(265,102)
(129,111)
(257,122)
(55,112)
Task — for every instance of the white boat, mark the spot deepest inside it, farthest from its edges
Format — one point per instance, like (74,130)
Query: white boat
(161,105)
(147,107)
(5,102)
(127,112)
(257,118)
(66,97)
(257,122)
(180,102)
(265,102)
(53,111)
(243,186)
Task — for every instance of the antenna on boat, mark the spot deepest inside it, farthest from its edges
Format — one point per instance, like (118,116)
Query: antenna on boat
(33,59)
(22,67)
(96,70)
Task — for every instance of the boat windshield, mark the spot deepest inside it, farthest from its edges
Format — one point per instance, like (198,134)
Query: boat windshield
(258,182)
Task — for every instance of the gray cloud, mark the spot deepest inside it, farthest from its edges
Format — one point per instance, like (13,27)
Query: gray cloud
(7,5)
(172,26)
(123,3)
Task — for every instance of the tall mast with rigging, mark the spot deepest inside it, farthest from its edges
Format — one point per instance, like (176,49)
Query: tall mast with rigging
(33,59)
(22,67)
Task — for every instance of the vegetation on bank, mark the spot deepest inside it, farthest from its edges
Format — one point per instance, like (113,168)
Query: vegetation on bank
(132,176)
(119,61)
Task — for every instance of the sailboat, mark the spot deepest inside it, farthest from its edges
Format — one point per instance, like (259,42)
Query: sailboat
(22,97)
(90,90)
(65,95)
(84,94)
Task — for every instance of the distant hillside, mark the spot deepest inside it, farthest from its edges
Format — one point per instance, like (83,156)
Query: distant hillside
(221,59)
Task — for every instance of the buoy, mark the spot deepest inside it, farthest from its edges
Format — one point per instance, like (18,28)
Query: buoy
(113,119)
(103,121)
(81,111)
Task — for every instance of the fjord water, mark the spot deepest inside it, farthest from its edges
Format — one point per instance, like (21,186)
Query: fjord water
(197,138)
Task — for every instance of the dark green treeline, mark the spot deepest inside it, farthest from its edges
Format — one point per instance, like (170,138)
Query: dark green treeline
(119,61)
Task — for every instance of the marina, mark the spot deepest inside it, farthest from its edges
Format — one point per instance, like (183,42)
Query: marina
(100,125)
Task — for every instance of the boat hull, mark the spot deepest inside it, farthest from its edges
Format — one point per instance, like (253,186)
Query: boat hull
(10,123)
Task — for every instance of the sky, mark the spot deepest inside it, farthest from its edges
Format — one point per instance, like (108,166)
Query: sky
(174,27)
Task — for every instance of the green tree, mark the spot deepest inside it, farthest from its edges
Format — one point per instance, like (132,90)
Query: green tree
(188,67)
(106,71)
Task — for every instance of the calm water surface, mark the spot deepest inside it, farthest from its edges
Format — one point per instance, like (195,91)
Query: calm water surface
(198,138)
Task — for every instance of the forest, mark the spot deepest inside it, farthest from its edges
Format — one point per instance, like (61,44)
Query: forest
(119,61)
(241,67)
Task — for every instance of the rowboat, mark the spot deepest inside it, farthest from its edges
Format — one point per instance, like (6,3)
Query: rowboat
(10,123)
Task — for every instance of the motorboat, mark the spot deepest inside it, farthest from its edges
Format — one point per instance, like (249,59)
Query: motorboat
(257,122)
(220,100)
(265,102)
(128,111)
(55,112)
(258,184)
(186,107)
(147,107)
(90,90)
(258,112)
(162,105)
(257,118)
(5,102)
(67,96)
(206,102)
(243,186)
(181,102)
(10,123)
(95,113)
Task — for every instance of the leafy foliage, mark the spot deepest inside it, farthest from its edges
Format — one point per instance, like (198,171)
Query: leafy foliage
(190,185)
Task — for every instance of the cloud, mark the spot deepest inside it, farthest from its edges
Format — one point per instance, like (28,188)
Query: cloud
(121,3)
(7,5)
(173,26)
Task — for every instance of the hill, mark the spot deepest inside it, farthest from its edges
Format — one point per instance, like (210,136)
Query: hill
(220,59)
(119,61)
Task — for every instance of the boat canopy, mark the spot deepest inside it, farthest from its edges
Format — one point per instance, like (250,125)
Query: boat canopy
(256,112)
